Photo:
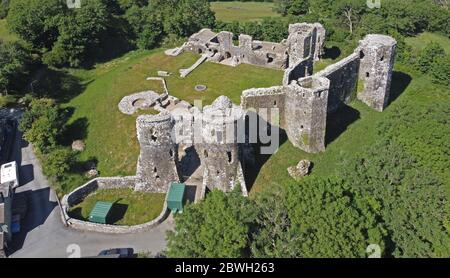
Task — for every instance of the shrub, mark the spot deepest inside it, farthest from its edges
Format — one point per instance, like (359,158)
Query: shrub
(440,70)
(58,162)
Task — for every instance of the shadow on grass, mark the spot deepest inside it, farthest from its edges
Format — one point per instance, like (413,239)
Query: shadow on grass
(253,168)
(77,130)
(76,213)
(114,43)
(83,166)
(332,53)
(400,82)
(339,121)
(117,212)
(56,84)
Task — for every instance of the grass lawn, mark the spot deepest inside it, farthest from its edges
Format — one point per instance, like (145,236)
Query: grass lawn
(130,208)
(110,136)
(357,137)
(5,35)
(420,41)
(243,11)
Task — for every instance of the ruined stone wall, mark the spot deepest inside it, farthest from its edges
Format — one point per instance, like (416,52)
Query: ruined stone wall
(79,194)
(301,69)
(343,78)
(157,160)
(301,42)
(266,98)
(306,113)
(305,44)
(320,41)
(272,55)
(377,54)
(302,110)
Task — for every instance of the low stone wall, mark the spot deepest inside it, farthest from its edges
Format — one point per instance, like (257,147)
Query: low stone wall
(113,229)
(128,104)
(79,194)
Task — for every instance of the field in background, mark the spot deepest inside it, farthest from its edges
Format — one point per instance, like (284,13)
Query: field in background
(243,11)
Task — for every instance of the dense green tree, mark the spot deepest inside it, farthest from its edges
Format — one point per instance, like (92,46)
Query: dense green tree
(4,7)
(14,60)
(299,7)
(292,7)
(126,4)
(273,236)
(36,21)
(350,12)
(41,124)
(440,70)
(218,227)
(410,200)
(58,162)
(80,35)
(184,17)
(147,25)
(428,56)
(274,30)
(330,221)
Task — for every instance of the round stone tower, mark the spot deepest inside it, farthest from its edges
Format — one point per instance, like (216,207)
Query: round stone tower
(157,160)
(220,149)
(377,55)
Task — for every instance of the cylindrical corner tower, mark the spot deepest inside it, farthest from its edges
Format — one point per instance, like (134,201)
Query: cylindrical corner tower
(219,149)
(157,160)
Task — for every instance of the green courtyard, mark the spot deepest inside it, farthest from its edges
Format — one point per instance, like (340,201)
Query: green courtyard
(129,207)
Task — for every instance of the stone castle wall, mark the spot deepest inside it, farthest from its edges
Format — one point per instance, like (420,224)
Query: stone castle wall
(305,102)
(304,41)
(343,78)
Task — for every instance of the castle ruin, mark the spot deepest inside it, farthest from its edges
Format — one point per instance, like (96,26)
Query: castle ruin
(304,100)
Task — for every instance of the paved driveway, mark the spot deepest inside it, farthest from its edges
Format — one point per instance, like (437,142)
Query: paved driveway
(43,233)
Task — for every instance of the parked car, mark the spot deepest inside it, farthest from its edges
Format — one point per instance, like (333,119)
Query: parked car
(117,253)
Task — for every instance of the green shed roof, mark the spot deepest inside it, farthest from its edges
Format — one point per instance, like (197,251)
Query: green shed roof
(176,192)
(100,212)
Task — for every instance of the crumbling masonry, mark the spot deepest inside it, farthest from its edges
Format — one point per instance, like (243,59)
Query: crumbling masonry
(304,101)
